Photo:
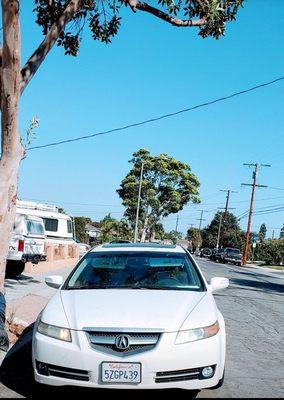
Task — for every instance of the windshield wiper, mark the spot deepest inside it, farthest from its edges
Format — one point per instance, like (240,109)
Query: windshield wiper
(87,287)
(155,287)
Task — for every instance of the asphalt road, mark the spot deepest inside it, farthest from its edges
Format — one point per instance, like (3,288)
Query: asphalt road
(254,313)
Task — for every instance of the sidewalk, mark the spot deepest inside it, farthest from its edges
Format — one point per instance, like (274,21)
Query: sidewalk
(26,296)
(275,273)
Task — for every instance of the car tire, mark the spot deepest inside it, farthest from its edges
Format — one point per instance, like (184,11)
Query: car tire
(14,268)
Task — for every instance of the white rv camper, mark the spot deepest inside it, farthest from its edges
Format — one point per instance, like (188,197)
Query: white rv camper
(58,226)
(26,244)
(35,225)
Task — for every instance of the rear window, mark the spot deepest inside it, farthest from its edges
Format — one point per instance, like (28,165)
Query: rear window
(136,270)
(35,228)
(235,251)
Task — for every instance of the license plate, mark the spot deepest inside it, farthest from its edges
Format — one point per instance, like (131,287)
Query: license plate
(114,372)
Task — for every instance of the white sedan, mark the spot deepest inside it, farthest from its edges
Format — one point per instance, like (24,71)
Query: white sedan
(132,316)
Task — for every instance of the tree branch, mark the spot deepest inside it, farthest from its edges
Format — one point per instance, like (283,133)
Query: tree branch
(32,65)
(136,5)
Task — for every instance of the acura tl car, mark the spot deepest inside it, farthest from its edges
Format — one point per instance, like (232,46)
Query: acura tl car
(132,316)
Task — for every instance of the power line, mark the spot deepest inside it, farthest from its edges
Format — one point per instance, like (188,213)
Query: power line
(78,204)
(236,202)
(155,119)
(275,188)
(280,209)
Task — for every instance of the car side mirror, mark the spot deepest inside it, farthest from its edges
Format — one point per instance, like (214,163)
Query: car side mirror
(54,281)
(218,283)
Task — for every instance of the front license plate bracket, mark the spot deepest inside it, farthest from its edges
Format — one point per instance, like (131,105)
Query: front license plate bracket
(120,373)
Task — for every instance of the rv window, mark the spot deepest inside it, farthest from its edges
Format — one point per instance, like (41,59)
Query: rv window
(51,224)
(35,228)
(69,226)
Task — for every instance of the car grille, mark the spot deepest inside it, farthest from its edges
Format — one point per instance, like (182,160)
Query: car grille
(106,341)
(62,372)
(179,375)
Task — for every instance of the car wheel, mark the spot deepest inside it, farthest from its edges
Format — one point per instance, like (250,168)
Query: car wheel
(14,268)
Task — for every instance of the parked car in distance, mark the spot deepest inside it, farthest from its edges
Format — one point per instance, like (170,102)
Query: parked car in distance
(227,254)
(205,252)
(216,255)
(233,256)
(83,247)
(26,244)
(130,316)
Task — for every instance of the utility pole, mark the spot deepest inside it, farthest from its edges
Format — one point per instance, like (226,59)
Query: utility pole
(138,204)
(254,185)
(226,208)
(177,223)
(219,230)
(201,219)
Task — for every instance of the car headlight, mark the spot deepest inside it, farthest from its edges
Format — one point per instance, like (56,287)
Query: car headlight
(192,335)
(54,331)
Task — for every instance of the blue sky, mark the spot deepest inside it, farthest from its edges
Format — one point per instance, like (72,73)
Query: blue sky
(152,68)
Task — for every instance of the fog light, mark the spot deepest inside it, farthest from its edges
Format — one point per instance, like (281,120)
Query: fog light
(207,372)
(42,368)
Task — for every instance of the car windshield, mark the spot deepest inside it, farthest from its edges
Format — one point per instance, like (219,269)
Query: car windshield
(135,270)
(235,251)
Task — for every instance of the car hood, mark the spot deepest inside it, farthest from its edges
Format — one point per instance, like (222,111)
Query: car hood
(122,308)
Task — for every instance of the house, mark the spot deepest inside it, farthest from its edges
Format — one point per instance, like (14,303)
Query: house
(93,233)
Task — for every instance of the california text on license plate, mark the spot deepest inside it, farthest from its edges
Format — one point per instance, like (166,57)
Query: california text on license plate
(113,372)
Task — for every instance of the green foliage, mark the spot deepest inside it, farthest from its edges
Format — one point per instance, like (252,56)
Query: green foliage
(103,20)
(271,251)
(173,236)
(262,232)
(194,236)
(80,225)
(233,235)
(167,185)
(115,229)
(31,131)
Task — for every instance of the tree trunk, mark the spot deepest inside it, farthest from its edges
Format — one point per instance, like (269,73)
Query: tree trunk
(144,229)
(153,235)
(11,148)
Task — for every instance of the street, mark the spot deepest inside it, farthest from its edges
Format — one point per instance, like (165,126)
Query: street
(253,310)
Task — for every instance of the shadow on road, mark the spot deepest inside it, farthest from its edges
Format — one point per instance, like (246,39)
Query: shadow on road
(275,288)
(16,373)
(20,280)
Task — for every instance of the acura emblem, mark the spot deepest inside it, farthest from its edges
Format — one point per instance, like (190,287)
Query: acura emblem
(122,342)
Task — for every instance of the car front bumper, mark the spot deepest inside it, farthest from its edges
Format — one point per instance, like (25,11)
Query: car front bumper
(166,356)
